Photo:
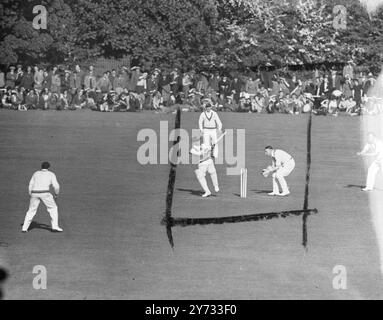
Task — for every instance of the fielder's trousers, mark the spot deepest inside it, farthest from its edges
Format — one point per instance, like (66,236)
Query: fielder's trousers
(49,202)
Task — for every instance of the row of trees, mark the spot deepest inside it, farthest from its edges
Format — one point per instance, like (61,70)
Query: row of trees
(202,34)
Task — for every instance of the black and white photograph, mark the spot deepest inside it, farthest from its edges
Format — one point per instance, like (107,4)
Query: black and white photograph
(191,150)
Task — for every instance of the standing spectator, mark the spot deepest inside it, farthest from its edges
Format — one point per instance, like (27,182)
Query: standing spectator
(347,87)
(10,79)
(38,80)
(112,78)
(214,82)
(19,75)
(284,86)
(119,83)
(187,82)
(349,69)
(141,89)
(275,88)
(335,81)
(164,88)
(369,83)
(65,82)
(202,82)
(46,83)
(136,74)
(236,88)
(224,86)
(56,83)
(251,86)
(90,81)
(103,84)
(27,80)
(357,93)
(2,79)
(51,73)
(76,80)
(175,82)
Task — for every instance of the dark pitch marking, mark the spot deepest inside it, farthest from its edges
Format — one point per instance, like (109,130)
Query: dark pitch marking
(306,199)
(184,222)
(170,191)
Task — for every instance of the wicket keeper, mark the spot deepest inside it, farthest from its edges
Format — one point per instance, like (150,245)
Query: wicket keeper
(282,165)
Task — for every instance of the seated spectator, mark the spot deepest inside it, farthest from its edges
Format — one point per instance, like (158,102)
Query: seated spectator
(90,102)
(134,102)
(157,100)
(54,102)
(270,108)
(65,100)
(122,103)
(44,99)
(78,101)
(32,100)
(6,100)
(230,104)
(308,102)
(221,102)
(259,103)
(119,83)
(244,104)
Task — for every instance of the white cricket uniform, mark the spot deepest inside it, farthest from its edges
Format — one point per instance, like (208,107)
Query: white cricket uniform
(205,165)
(39,191)
(377,149)
(209,123)
(287,164)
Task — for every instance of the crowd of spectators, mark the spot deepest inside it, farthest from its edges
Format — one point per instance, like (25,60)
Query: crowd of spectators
(133,89)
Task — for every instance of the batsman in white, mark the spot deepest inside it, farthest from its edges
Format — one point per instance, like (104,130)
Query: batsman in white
(374,149)
(39,191)
(209,123)
(206,164)
(282,165)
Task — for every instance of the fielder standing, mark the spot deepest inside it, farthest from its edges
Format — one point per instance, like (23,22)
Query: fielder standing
(39,191)
(209,123)
(283,164)
(206,164)
(374,149)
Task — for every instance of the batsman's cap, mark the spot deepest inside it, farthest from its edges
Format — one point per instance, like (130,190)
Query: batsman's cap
(45,165)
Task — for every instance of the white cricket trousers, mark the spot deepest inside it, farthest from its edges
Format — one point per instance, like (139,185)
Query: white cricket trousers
(280,174)
(49,202)
(371,174)
(210,138)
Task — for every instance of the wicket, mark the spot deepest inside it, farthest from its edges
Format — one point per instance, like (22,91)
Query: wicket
(244,183)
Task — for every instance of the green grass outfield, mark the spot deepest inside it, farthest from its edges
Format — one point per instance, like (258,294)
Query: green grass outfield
(111,207)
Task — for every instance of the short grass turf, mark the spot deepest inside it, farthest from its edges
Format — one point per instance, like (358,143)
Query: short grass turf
(115,247)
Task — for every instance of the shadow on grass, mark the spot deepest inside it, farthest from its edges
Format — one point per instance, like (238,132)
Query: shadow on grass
(41,226)
(196,193)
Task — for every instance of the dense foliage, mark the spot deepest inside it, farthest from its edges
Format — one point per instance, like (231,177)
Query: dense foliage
(231,34)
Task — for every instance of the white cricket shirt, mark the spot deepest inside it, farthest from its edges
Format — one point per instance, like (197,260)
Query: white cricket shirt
(281,157)
(209,121)
(42,180)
